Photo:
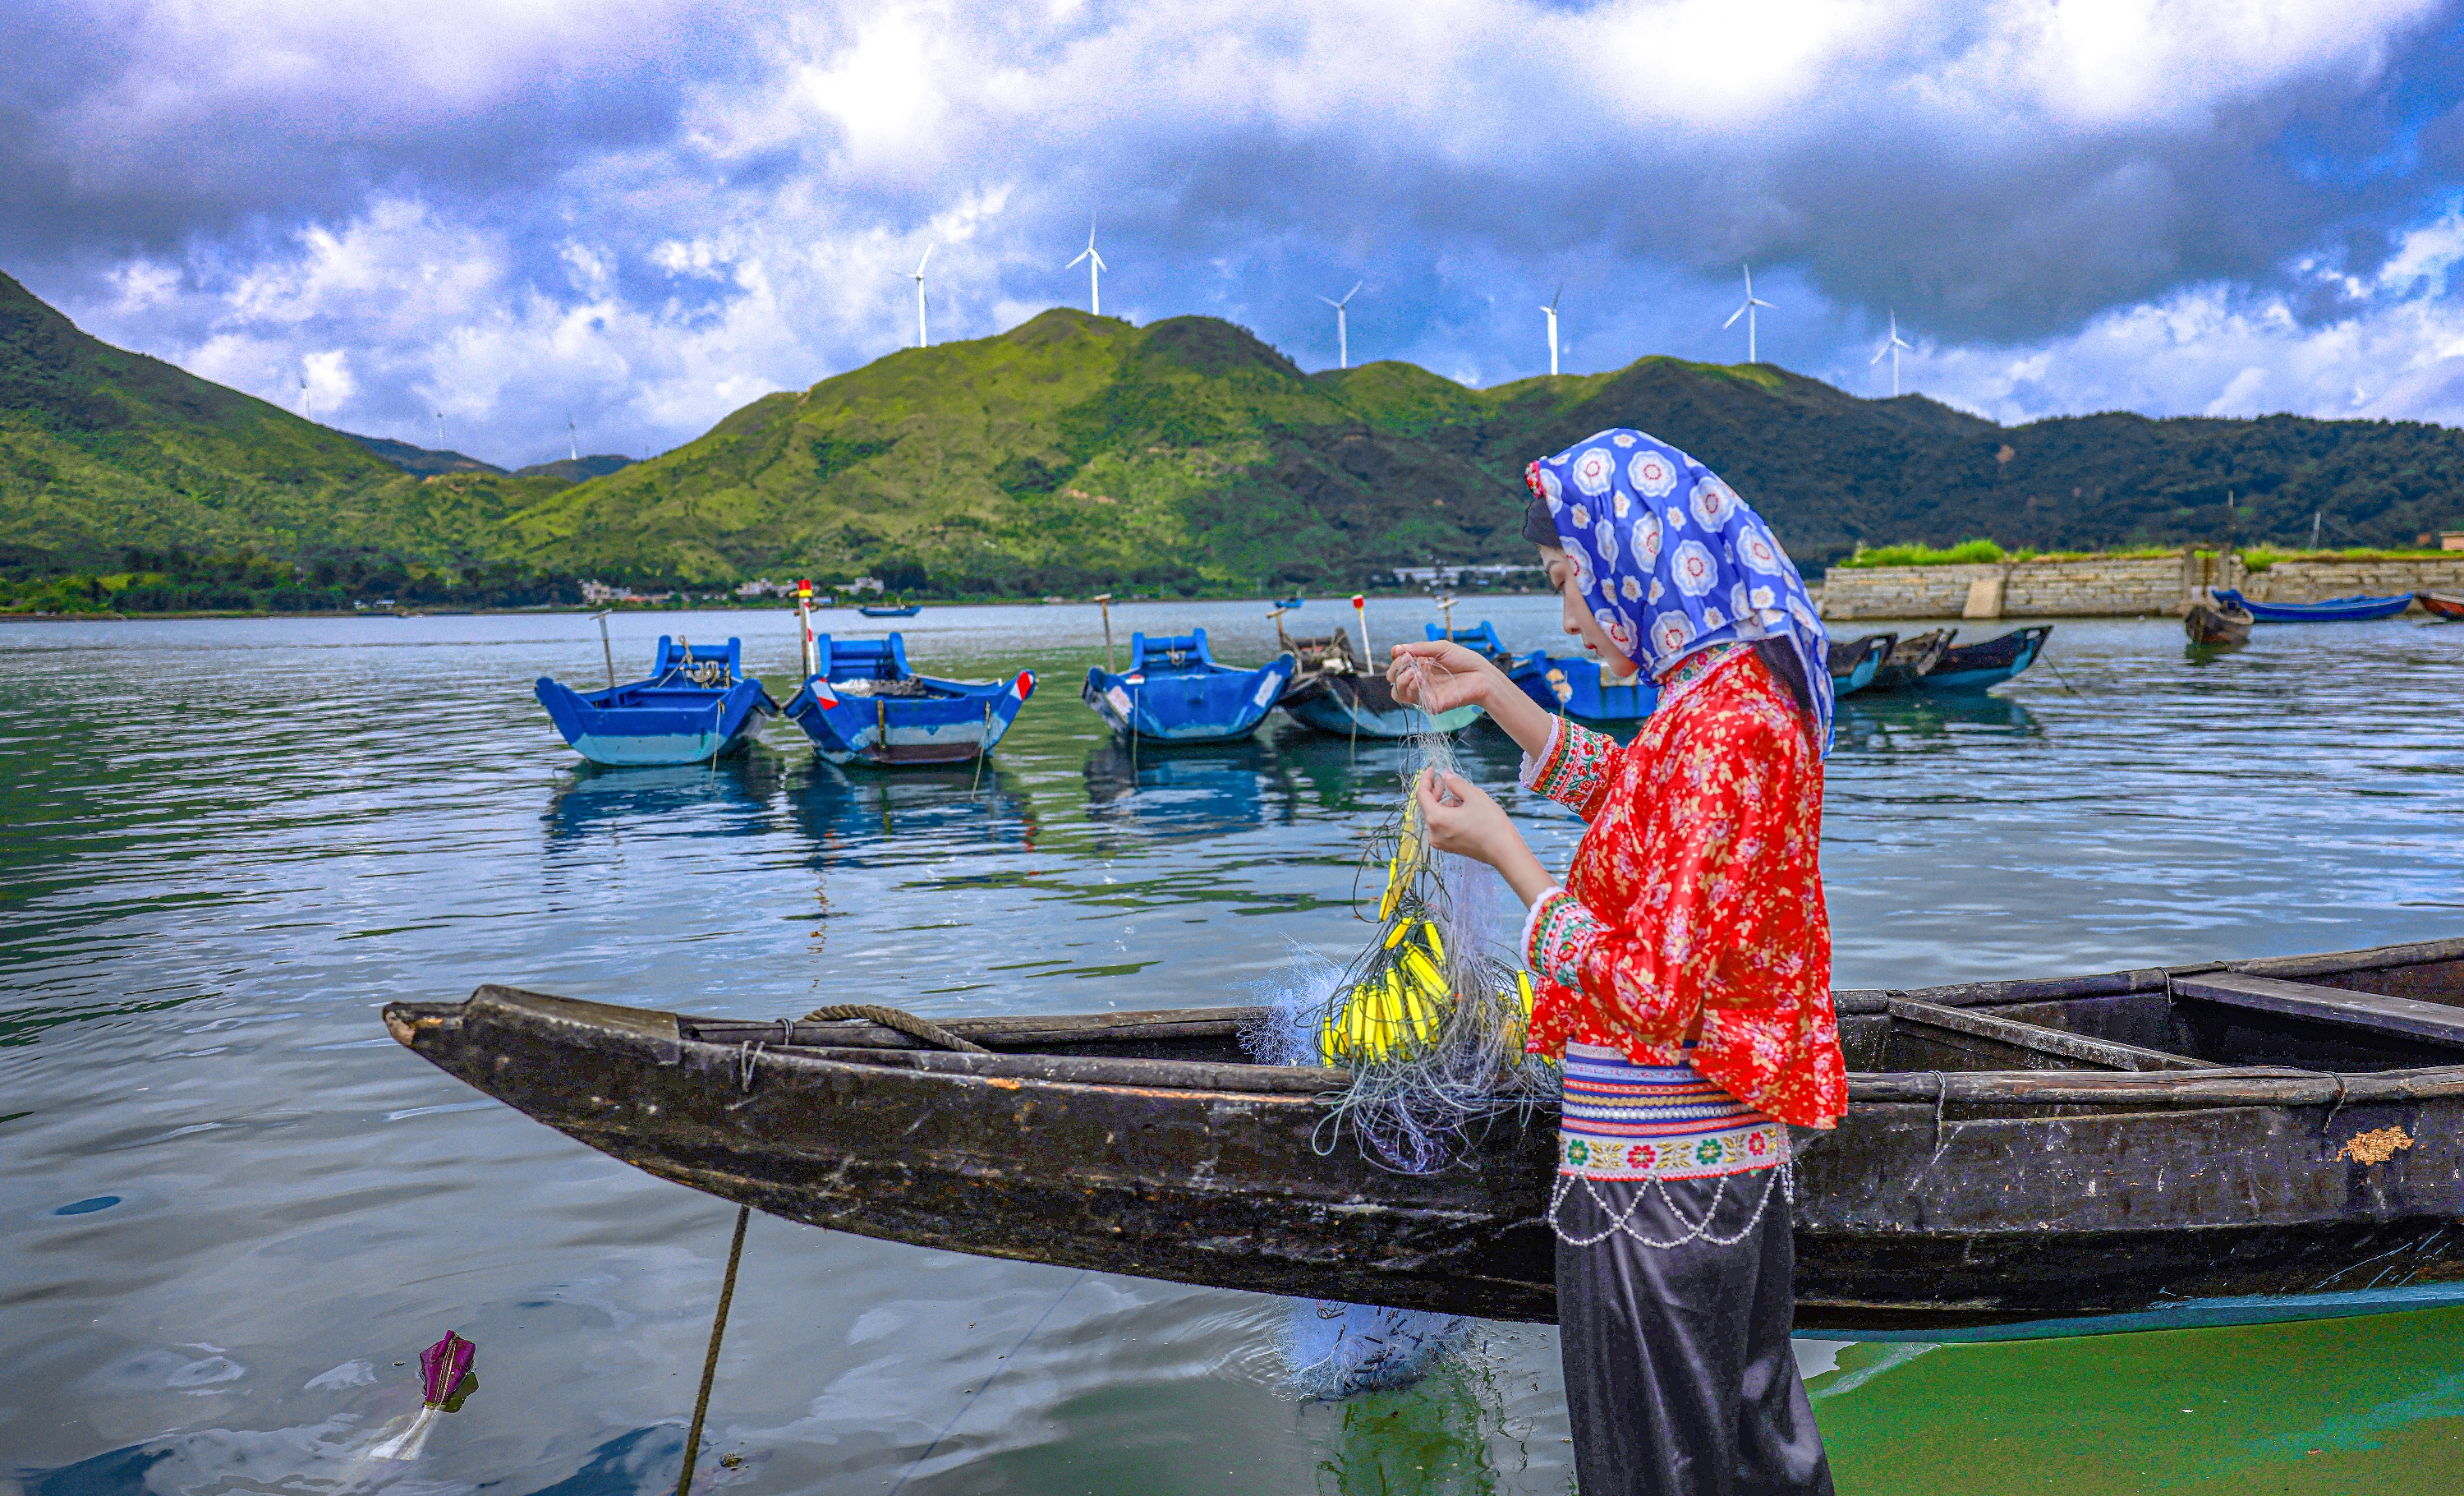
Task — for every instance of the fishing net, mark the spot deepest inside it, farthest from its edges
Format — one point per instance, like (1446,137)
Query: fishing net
(1430,1016)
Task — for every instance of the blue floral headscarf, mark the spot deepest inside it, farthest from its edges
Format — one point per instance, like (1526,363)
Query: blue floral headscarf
(1671,561)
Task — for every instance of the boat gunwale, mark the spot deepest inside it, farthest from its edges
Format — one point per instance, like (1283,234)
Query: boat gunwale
(858,1042)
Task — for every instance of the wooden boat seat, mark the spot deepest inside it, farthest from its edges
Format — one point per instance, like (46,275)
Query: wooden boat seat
(2371,1012)
(2060,1045)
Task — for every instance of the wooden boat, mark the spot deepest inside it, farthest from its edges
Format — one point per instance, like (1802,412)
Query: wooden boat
(696,705)
(1974,667)
(2196,1143)
(1581,690)
(866,704)
(1174,692)
(2216,624)
(2446,609)
(891,611)
(1911,658)
(1856,664)
(1363,705)
(2359,608)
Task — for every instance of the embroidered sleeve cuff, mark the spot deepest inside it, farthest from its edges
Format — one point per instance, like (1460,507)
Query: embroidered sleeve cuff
(1534,764)
(1576,766)
(1554,935)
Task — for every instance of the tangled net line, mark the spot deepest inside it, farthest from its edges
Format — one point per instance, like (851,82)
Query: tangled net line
(1429,1018)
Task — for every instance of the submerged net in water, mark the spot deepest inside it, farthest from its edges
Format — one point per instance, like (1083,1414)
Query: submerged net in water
(1430,1016)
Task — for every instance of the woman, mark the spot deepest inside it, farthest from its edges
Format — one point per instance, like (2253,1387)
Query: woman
(1682,970)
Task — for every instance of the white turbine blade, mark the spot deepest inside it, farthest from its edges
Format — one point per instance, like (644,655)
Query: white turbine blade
(1332,303)
(1099,259)
(1732,318)
(1081,259)
(1353,291)
(1878,355)
(1553,297)
(1762,303)
(928,255)
(1749,279)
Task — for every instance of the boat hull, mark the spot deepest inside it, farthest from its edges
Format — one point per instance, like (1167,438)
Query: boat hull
(2440,606)
(1573,687)
(1215,706)
(900,731)
(1855,666)
(1948,1201)
(723,723)
(2216,627)
(2359,608)
(1977,667)
(1364,706)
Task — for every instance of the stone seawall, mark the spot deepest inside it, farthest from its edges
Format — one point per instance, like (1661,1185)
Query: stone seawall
(2104,587)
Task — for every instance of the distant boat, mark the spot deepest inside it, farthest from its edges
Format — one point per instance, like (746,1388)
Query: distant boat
(1287,603)
(2216,624)
(1855,664)
(866,705)
(2446,609)
(2359,608)
(891,610)
(695,704)
(1579,688)
(1974,667)
(1482,641)
(1174,692)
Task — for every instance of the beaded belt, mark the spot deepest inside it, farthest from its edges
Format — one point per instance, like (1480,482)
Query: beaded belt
(1629,1121)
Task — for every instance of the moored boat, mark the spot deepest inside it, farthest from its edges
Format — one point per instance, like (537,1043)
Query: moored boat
(1361,704)
(2216,624)
(891,610)
(1974,667)
(1856,664)
(2198,1143)
(1175,691)
(696,705)
(2446,609)
(1581,690)
(1482,641)
(866,704)
(1909,659)
(2359,608)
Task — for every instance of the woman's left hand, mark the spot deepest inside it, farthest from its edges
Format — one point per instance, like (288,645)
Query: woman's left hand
(1462,819)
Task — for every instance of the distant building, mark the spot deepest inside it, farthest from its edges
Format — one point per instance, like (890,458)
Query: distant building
(764,587)
(2451,539)
(1457,576)
(865,585)
(600,592)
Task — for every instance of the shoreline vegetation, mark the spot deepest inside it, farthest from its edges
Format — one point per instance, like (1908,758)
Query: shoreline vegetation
(1977,552)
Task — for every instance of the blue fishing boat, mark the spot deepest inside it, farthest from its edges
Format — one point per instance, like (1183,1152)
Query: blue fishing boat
(2359,608)
(1482,641)
(1973,667)
(1174,692)
(891,611)
(695,704)
(866,705)
(1577,688)
(1856,663)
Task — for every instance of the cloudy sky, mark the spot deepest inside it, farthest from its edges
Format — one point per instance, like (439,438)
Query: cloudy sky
(644,214)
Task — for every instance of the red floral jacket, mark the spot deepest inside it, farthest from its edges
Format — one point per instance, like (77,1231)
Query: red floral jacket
(1696,889)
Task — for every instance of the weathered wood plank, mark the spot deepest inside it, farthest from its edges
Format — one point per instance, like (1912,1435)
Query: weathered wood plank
(2409,1018)
(2057,1042)
(1083,1071)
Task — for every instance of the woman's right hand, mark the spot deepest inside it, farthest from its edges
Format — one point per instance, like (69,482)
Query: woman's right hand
(1441,675)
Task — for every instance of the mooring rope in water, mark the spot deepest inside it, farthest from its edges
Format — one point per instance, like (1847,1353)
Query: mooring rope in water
(1002,1366)
(709,1362)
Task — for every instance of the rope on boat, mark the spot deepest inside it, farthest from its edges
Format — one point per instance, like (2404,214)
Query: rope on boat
(709,1362)
(924,1030)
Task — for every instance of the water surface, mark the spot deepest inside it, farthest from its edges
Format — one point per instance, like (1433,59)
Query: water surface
(233,1205)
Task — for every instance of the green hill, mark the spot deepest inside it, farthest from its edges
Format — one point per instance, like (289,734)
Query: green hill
(1075,452)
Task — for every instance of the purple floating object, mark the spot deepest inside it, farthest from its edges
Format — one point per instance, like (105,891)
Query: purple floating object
(441,1368)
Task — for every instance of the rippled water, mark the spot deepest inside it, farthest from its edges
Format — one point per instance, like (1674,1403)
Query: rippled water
(233,1206)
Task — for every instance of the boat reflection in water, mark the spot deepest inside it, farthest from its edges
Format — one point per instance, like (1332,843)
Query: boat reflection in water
(896,815)
(733,797)
(1884,723)
(1338,774)
(1188,792)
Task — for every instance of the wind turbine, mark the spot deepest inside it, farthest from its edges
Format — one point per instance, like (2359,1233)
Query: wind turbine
(1342,335)
(440,430)
(918,278)
(572,438)
(1552,310)
(1892,347)
(303,397)
(1746,312)
(1094,264)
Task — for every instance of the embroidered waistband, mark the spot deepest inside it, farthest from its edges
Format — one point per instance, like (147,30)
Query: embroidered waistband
(1628,1121)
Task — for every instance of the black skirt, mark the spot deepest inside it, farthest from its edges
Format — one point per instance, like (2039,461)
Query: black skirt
(1674,1322)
